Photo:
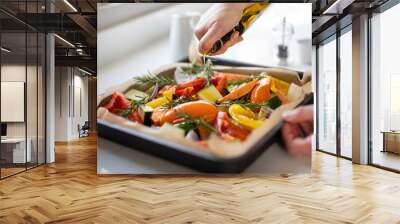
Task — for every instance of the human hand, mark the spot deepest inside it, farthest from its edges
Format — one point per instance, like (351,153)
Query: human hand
(298,129)
(215,23)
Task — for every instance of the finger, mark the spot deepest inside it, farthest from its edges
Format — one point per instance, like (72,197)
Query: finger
(308,127)
(290,132)
(200,31)
(300,146)
(300,114)
(212,35)
(234,40)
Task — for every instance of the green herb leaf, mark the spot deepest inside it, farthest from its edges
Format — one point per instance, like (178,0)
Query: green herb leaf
(195,121)
(125,112)
(194,69)
(140,101)
(207,72)
(240,82)
(153,79)
(273,103)
(176,102)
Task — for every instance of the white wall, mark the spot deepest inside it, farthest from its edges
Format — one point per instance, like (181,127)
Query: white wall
(33,126)
(70,83)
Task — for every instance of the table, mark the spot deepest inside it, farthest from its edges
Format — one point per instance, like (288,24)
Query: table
(391,141)
(13,150)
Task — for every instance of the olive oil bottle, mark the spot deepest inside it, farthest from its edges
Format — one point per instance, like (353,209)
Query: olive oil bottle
(249,14)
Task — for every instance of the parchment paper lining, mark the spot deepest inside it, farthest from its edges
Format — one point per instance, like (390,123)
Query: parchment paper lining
(217,146)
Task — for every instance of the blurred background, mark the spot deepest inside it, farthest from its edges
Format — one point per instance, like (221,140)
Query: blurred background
(162,33)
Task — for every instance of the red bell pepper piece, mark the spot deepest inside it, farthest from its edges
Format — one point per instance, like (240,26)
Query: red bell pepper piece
(117,101)
(219,81)
(134,116)
(227,129)
(188,91)
(191,87)
(195,83)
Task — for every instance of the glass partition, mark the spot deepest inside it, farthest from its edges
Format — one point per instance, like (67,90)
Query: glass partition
(31,97)
(13,92)
(41,97)
(346,93)
(327,96)
(22,67)
(385,89)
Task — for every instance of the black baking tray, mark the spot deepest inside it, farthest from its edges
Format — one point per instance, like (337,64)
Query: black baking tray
(186,156)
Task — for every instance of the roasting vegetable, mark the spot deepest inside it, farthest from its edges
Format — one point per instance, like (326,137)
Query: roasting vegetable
(191,87)
(157,115)
(231,76)
(192,136)
(244,116)
(240,91)
(196,109)
(135,94)
(219,81)
(227,129)
(261,92)
(145,114)
(156,88)
(264,113)
(274,102)
(209,93)
(158,102)
(170,130)
(134,116)
(279,85)
(200,102)
(169,94)
(187,123)
(118,101)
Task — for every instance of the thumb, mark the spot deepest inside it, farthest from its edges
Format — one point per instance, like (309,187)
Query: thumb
(300,114)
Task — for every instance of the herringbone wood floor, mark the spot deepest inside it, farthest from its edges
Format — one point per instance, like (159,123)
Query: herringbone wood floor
(70,191)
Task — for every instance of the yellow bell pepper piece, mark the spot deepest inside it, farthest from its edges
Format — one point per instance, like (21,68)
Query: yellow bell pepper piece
(277,84)
(158,102)
(209,93)
(244,116)
(168,94)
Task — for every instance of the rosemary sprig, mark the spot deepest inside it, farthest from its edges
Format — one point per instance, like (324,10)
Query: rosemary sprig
(207,72)
(196,122)
(134,105)
(239,82)
(140,101)
(194,69)
(273,103)
(153,79)
(124,112)
(176,102)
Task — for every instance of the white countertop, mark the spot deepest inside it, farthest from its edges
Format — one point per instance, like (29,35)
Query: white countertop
(113,158)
